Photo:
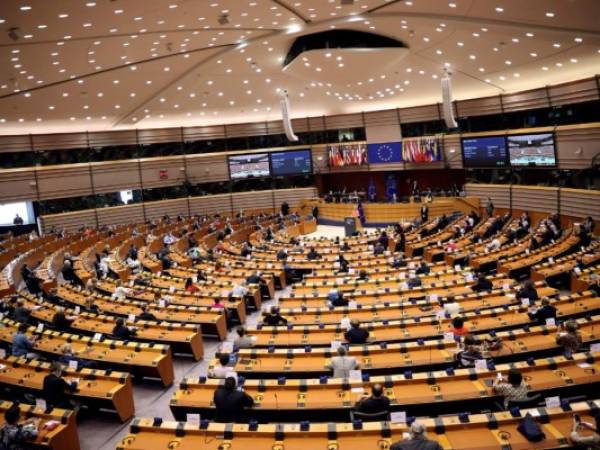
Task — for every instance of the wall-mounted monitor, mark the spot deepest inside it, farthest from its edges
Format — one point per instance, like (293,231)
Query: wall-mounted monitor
(10,211)
(254,165)
(488,151)
(532,150)
(294,162)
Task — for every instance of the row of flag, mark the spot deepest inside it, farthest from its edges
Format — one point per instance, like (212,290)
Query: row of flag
(341,155)
(413,150)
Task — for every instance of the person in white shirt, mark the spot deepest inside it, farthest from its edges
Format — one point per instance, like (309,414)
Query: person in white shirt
(169,239)
(342,364)
(450,307)
(221,370)
(239,290)
(133,264)
(494,245)
(120,292)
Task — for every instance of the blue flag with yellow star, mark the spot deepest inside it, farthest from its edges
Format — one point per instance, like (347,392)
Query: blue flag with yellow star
(389,152)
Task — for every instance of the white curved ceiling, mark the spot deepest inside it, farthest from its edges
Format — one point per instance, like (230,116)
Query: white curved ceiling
(113,64)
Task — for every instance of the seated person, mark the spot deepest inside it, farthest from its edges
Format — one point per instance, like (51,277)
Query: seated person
(569,338)
(91,306)
(312,254)
(458,327)
(336,298)
(190,287)
(56,388)
(376,403)
(123,332)
(68,356)
(21,313)
(378,250)
(223,368)
(539,315)
(217,303)
(471,352)
(239,290)
(512,389)
(144,314)
(15,435)
(230,402)
(60,321)
(345,247)
(243,340)
(22,345)
(414,282)
(588,440)
(398,262)
(483,284)
(356,334)
(423,269)
(528,291)
(416,439)
(363,275)
(343,262)
(342,364)
(273,317)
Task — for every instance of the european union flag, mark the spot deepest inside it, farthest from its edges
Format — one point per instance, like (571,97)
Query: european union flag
(389,152)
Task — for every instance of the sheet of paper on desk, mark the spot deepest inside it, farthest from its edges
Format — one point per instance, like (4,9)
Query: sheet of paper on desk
(481,364)
(594,348)
(355,375)
(552,402)
(584,365)
(398,417)
(193,419)
(357,390)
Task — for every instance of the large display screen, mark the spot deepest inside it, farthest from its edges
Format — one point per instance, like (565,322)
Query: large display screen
(485,151)
(246,166)
(532,149)
(10,211)
(294,162)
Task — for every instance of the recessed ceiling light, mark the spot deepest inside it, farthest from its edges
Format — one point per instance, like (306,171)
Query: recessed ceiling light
(452,5)
(42,26)
(499,9)
(25,8)
(578,40)
(90,4)
(549,14)
(556,45)
(534,55)
(51,107)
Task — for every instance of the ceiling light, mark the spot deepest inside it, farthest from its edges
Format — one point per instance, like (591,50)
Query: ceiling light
(549,14)
(578,40)
(25,8)
(452,5)
(499,9)
(90,4)
(529,34)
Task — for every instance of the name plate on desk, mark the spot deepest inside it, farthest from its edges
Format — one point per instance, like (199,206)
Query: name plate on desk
(355,375)
(193,419)
(398,417)
(552,402)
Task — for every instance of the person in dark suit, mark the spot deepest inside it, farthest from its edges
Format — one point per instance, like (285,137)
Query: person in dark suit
(273,317)
(356,335)
(285,209)
(424,213)
(68,273)
(230,403)
(547,311)
(376,403)
(336,298)
(483,284)
(145,315)
(123,332)
(423,269)
(313,254)
(55,388)
(60,321)
(18,220)
(528,291)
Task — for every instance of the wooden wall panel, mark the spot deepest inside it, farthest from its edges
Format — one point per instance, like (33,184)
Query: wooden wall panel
(152,168)
(499,193)
(575,92)
(159,135)
(203,133)
(116,176)
(580,203)
(453,151)
(420,113)
(10,144)
(253,200)
(62,141)
(17,185)
(62,181)
(576,146)
(518,101)
(70,221)
(344,121)
(211,204)
(156,210)
(101,139)
(479,106)
(534,198)
(246,129)
(205,168)
(293,197)
(121,215)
